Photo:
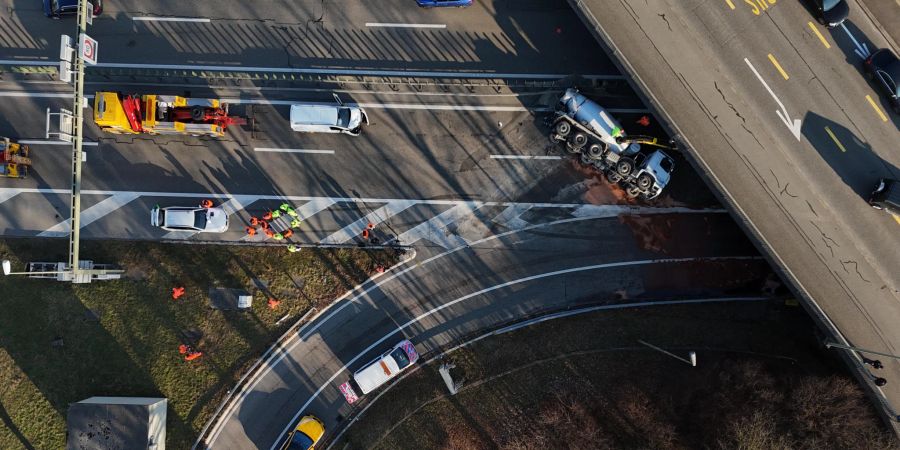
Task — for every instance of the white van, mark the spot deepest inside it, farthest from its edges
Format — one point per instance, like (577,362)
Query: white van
(385,367)
(336,118)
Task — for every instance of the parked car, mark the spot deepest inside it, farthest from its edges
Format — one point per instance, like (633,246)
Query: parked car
(386,366)
(443,3)
(336,118)
(305,435)
(886,196)
(830,13)
(60,8)
(883,67)
(182,218)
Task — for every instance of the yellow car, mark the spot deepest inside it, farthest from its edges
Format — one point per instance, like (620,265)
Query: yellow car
(305,435)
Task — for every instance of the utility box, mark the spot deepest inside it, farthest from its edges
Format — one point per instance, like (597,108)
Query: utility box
(230,299)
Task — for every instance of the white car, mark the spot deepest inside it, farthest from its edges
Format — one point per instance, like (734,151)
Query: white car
(183,218)
(386,366)
(334,118)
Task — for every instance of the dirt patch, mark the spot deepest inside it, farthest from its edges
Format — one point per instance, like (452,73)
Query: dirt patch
(650,232)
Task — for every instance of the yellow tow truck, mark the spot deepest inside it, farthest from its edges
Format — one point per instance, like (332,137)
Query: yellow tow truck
(14,159)
(162,114)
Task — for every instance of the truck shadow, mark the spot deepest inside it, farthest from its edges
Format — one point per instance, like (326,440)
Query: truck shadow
(852,159)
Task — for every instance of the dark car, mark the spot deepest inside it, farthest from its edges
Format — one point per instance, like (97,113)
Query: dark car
(886,196)
(830,13)
(883,68)
(60,8)
(443,3)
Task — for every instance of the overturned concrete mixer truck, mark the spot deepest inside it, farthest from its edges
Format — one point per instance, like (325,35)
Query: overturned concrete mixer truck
(588,130)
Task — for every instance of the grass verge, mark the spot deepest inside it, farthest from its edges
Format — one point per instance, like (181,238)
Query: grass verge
(62,343)
(761,382)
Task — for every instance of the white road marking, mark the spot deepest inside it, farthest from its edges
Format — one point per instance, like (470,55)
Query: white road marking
(376,217)
(495,287)
(359,72)
(433,230)
(169,19)
(6,195)
(511,217)
(35,94)
(795,125)
(416,106)
(179,235)
(92,214)
(525,157)
(46,142)
(292,150)
(314,324)
(406,25)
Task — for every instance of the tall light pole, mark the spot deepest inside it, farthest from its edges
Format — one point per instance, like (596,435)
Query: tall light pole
(84,8)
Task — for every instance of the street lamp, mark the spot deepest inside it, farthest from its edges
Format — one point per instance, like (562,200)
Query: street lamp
(7,270)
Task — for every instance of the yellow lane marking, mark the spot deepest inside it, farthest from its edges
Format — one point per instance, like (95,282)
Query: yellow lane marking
(731,5)
(896,217)
(821,38)
(778,66)
(835,139)
(877,109)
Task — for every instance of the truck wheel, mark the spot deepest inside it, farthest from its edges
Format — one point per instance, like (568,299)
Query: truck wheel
(563,129)
(632,191)
(625,166)
(595,151)
(197,113)
(579,140)
(613,177)
(645,181)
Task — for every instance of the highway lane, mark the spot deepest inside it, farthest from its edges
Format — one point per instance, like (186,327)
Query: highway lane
(804,194)
(450,295)
(514,36)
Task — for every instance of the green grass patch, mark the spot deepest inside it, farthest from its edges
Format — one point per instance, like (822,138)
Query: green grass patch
(121,337)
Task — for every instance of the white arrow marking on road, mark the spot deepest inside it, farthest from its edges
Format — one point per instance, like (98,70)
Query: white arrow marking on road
(782,114)
(862,50)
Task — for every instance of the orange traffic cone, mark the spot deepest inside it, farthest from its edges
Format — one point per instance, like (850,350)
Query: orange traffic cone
(365,234)
(177,292)
(206,203)
(192,356)
(273,303)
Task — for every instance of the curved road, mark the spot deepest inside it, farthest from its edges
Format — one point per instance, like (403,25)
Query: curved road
(438,298)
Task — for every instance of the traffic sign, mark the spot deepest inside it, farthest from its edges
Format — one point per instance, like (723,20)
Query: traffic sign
(88,48)
(65,48)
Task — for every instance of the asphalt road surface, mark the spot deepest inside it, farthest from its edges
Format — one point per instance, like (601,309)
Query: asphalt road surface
(732,77)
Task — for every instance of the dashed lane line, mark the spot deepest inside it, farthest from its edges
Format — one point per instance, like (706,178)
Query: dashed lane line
(169,19)
(405,25)
(835,139)
(877,108)
(815,30)
(292,150)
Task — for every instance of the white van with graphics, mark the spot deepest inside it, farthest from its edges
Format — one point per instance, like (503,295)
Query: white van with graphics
(385,367)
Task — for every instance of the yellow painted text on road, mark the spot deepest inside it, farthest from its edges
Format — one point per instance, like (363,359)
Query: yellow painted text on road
(758,6)
(876,108)
(815,30)
(835,139)
(731,5)
(778,66)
